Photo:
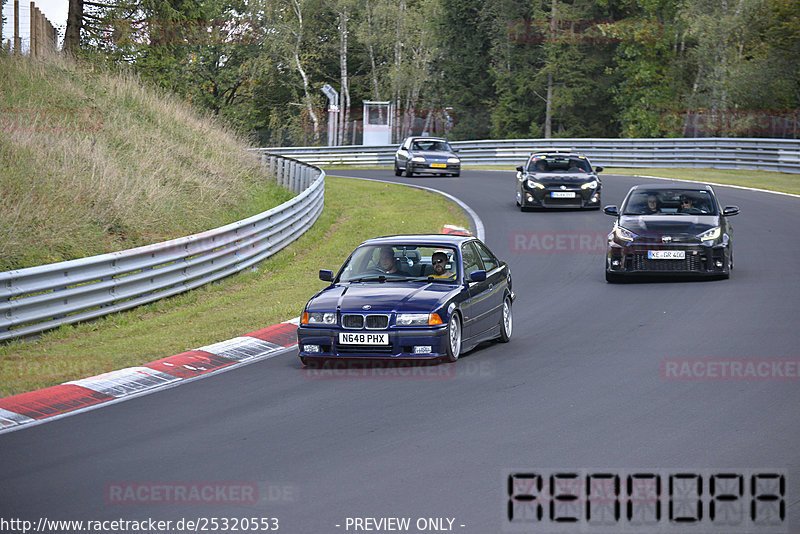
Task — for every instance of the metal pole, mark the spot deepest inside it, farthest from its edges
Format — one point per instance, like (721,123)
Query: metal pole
(333,112)
(16,27)
(32,48)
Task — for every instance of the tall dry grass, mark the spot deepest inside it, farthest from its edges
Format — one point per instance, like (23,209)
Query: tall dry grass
(92,162)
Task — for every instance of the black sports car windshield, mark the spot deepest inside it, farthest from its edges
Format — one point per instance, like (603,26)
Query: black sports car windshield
(433,146)
(559,164)
(670,202)
(405,262)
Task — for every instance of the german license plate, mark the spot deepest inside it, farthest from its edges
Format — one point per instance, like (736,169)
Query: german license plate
(363,338)
(439,165)
(666,254)
(562,194)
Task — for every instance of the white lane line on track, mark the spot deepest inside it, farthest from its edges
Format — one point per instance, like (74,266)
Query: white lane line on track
(480,232)
(756,189)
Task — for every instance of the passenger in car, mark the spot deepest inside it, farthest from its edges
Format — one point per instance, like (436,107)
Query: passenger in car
(440,270)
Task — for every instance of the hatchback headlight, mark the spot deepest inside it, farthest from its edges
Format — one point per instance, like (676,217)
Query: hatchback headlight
(623,234)
(589,185)
(532,184)
(711,234)
(418,319)
(319,318)
(453,160)
(418,159)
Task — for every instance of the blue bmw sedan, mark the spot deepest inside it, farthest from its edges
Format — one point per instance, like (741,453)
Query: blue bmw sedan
(411,297)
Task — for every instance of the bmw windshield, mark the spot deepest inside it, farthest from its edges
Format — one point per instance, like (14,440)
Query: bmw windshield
(382,263)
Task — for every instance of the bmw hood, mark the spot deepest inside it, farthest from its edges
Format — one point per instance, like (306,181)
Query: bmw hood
(668,224)
(382,297)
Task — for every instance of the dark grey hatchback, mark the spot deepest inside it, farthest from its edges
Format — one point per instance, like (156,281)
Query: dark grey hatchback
(670,229)
(430,155)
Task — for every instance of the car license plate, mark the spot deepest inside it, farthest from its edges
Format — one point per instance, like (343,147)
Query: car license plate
(562,194)
(666,254)
(365,338)
(439,165)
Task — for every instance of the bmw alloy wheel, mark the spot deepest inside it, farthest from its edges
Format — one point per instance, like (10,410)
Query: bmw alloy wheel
(453,338)
(507,321)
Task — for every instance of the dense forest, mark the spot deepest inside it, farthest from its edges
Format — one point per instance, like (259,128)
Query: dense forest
(468,69)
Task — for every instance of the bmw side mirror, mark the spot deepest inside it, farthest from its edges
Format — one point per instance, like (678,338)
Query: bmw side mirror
(598,169)
(326,275)
(477,276)
(519,168)
(730,211)
(611,210)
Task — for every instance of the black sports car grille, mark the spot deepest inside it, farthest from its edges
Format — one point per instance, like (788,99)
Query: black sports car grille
(548,200)
(365,349)
(640,262)
(372,322)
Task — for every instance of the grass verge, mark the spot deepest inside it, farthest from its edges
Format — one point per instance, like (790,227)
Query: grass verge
(355,210)
(773,181)
(95,162)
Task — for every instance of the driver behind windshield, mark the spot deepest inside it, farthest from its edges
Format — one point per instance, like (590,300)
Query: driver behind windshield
(386,262)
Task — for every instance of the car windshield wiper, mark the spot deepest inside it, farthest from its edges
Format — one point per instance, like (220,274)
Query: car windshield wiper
(430,278)
(378,278)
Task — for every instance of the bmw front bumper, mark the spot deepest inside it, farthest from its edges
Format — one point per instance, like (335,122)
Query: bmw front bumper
(406,343)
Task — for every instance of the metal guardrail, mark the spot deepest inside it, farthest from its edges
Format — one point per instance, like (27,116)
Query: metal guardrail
(781,155)
(46,296)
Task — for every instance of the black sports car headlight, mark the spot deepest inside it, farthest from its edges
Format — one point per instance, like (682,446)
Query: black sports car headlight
(712,234)
(533,184)
(623,234)
(590,185)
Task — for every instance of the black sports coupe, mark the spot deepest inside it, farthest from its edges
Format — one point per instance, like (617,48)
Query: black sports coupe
(558,180)
(670,229)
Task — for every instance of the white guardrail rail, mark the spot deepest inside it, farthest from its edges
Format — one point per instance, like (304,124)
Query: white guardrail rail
(43,297)
(781,155)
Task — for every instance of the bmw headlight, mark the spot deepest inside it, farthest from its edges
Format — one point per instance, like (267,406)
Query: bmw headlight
(418,319)
(319,318)
(532,184)
(453,160)
(711,234)
(589,185)
(418,159)
(623,234)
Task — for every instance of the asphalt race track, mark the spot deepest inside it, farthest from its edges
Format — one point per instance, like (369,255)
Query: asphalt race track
(587,384)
